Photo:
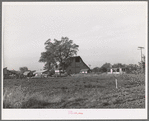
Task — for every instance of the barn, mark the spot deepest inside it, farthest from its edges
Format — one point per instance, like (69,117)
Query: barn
(76,65)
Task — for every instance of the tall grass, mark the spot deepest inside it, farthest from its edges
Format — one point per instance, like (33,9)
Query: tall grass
(83,91)
(13,98)
(18,97)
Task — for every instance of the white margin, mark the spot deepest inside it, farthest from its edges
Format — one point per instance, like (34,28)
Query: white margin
(47,114)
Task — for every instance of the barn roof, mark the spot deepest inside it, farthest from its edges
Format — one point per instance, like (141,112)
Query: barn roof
(82,61)
(75,57)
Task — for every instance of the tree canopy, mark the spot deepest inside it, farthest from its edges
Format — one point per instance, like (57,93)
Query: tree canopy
(58,52)
(105,67)
(96,69)
(118,65)
(143,62)
(23,69)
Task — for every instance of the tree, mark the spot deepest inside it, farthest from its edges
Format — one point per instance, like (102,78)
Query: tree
(142,64)
(96,69)
(58,52)
(117,65)
(23,69)
(131,68)
(105,67)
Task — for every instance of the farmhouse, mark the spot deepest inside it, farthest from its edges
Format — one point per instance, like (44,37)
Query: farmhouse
(116,71)
(75,65)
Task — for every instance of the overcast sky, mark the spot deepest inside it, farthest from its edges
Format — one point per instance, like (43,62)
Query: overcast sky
(105,31)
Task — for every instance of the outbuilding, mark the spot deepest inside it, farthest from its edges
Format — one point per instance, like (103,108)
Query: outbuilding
(42,73)
(116,71)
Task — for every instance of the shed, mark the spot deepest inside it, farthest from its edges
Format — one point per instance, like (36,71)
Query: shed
(26,73)
(40,73)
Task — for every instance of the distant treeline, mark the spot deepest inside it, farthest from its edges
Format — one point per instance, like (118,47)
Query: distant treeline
(129,68)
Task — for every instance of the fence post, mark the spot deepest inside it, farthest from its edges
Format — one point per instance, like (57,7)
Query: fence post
(116,83)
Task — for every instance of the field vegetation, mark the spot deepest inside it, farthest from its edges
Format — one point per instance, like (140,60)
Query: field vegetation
(76,91)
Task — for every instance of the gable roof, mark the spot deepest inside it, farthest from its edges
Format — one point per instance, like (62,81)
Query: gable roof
(81,60)
(71,58)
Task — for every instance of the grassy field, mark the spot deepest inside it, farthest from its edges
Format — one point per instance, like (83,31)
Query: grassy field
(77,91)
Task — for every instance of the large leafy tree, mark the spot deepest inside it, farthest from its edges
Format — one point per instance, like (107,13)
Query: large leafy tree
(96,69)
(105,67)
(118,65)
(23,69)
(58,52)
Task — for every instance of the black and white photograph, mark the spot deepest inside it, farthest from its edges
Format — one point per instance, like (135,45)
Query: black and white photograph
(74,60)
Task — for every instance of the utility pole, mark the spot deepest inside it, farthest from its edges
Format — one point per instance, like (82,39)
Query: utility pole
(140,48)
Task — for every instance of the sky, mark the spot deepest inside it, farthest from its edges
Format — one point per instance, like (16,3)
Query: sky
(105,31)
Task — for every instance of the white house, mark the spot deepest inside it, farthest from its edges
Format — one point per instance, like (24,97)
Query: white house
(116,71)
